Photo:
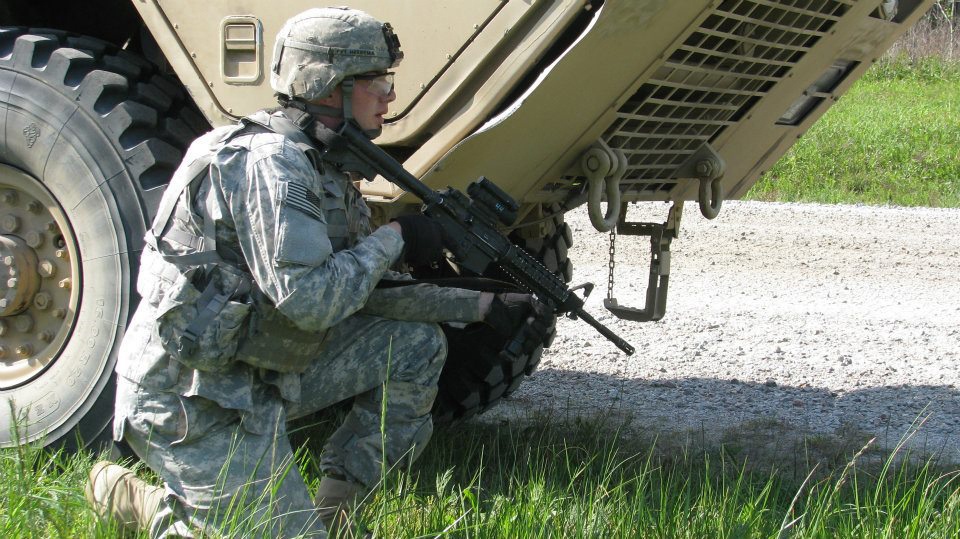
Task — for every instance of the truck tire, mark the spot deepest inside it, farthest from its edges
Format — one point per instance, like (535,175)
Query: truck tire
(478,373)
(90,136)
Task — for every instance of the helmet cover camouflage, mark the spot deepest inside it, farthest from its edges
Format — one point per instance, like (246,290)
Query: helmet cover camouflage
(318,48)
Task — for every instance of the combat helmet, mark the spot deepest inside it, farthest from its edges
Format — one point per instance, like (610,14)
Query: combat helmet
(323,47)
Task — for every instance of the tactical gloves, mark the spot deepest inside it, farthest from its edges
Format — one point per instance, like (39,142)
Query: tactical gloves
(422,239)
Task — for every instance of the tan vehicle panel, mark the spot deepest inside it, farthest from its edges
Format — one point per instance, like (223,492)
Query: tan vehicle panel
(199,29)
(730,81)
(444,43)
(666,83)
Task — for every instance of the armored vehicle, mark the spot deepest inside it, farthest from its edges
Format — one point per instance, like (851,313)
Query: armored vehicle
(562,103)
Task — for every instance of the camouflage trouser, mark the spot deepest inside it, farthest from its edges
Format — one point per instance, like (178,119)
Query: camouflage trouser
(221,475)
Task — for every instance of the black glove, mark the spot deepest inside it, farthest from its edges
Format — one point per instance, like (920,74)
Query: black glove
(521,320)
(422,240)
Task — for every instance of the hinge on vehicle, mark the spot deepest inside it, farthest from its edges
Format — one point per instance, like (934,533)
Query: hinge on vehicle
(661,234)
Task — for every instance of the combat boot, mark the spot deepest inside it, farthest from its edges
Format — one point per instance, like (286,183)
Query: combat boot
(336,502)
(117,493)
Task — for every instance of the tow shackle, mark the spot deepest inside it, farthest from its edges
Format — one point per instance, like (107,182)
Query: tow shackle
(603,168)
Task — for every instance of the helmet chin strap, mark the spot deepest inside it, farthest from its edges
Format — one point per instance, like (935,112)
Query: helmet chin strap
(346,113)
(348,85)
(346,88)
(310,108)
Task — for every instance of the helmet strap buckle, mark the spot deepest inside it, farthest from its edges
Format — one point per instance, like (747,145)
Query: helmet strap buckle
(347,86)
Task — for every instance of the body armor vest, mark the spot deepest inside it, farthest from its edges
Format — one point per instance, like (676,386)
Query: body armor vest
(210,313)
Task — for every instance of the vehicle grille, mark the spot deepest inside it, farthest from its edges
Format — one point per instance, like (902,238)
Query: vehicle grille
(710,82)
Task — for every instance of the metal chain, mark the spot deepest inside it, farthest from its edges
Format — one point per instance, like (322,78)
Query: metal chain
(612,263)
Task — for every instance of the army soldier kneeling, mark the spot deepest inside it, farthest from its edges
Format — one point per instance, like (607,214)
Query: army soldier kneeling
(260,305)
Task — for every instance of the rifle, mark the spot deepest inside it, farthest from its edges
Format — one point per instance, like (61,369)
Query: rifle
(470,227)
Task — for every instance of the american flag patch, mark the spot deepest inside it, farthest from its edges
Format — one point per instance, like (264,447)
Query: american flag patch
(302,199)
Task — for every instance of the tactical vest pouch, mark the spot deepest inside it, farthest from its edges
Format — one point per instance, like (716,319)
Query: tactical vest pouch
(202,329)
(274,343)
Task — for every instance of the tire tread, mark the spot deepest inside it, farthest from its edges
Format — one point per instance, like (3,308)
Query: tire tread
(476,378)
(143,122)
(135,102)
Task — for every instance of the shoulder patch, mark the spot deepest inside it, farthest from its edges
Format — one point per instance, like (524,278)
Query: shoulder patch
(302,199)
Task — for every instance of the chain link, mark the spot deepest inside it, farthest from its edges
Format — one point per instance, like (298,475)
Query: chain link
(612,263)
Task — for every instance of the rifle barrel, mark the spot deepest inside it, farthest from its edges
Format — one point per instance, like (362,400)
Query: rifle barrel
(619,342)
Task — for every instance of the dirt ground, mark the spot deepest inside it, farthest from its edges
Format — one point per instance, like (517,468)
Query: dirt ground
(784,322)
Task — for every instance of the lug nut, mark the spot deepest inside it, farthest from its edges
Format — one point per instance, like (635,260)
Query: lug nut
(10,223)
(12,282)
(61,253)
(47,269)
(35,207)
(60,313)
(42,301)
(33,239)
(46,336)
(8,260)
(9,197)
(23,323)
(3,304)
(24,350)
(64,284)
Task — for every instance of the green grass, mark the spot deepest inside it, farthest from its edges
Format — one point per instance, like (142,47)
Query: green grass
(41,495)
(560,479)
(894,138)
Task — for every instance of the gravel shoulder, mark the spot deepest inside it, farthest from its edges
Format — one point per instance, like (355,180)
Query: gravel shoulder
(807,321)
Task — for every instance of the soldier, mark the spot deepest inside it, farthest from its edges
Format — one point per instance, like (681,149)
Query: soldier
(260,305)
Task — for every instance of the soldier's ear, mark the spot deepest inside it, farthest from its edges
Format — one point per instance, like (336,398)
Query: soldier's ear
(334,100)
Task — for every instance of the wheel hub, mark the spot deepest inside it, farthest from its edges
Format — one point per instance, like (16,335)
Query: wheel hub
(39,278)
(19,279)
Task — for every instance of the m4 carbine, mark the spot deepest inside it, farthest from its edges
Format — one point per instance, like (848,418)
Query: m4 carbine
(469,225)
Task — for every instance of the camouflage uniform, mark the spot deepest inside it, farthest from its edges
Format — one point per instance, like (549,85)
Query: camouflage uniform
(218,438)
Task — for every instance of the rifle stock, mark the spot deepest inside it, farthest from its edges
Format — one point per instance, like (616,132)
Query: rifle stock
(470,228)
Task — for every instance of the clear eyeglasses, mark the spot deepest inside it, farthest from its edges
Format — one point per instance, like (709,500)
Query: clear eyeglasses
(378,84)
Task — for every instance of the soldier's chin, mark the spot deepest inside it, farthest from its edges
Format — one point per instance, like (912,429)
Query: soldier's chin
(373,133)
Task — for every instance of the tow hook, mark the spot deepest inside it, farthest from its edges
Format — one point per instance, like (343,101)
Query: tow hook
(604,168)
(705,165)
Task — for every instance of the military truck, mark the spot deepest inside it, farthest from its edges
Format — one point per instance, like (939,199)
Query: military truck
(562,103)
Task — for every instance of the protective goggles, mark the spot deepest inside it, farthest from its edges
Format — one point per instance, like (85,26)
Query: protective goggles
(378,84)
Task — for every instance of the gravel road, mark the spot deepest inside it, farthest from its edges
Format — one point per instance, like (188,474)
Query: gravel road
(782,320)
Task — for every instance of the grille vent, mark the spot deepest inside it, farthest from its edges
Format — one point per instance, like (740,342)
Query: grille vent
(710,82)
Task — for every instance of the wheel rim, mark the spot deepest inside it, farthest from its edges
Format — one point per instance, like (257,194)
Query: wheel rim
(39,278)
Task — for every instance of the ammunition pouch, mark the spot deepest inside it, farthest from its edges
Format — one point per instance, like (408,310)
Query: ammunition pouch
(275,343)
(203,328)
(213,328)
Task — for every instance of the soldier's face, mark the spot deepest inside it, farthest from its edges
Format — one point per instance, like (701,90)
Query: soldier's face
(372,95)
